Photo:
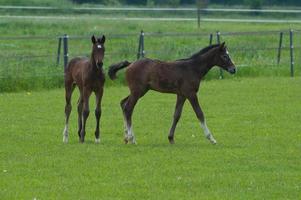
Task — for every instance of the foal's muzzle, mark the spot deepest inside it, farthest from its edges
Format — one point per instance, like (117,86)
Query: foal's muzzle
(231,70)
(99,64)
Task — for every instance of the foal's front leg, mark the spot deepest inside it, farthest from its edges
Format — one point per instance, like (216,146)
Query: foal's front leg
(80,113)
(69,89)
(98,114)
(199,113)
(85,113)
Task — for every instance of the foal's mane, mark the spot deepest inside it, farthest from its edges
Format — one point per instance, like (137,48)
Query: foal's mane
(202,51)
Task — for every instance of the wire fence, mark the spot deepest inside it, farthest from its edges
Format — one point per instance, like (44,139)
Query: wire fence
(148,13)
(44,57)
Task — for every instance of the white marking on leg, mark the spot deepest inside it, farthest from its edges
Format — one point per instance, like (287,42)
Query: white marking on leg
(130,136)
(97,140)
(65,134)
(207,133)
(125,129)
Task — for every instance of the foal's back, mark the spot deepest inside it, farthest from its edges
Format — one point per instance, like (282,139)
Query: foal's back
(167,77)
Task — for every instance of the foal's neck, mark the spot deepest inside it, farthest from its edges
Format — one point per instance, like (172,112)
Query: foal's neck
(92,61)
(204,62)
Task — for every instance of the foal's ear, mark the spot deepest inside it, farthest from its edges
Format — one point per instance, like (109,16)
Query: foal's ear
(222,46)
(93,39)
(102,39)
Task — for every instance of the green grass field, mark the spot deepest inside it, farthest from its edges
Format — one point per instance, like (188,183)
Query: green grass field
(256,122)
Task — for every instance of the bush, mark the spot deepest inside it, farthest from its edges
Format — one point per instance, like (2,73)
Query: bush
(254,4)
(167,2)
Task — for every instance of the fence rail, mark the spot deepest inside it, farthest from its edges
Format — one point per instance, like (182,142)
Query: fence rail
(154,9)
(153,34)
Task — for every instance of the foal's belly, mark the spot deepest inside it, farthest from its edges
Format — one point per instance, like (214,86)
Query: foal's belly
(165,86)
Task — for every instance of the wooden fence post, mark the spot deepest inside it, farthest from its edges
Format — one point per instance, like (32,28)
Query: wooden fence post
(279,48)
(141,52)
(65,41)
(292,53)
(210,38)
(59,51)
(199,15)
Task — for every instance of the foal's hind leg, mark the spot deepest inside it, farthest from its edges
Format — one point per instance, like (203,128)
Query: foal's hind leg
(122,105)
(199,113)
(69,87)
(80,113)
(128,111)
(98,113)
(177,115)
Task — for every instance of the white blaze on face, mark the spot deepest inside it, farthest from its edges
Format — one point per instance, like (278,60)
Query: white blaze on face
(227,52)
(99,46)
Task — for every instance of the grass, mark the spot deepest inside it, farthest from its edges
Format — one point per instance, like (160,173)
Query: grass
(256,122)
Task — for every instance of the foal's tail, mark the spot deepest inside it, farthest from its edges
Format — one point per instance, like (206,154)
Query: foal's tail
(115,67)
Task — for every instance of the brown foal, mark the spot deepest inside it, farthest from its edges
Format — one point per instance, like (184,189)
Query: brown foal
(181,77)
(88,75)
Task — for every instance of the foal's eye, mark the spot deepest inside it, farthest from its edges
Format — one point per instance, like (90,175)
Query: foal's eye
(225,57)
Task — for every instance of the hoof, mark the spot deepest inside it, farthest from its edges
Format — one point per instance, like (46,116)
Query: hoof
(213,142)
(97,140)
(171,140)
(131,139)
(211,139)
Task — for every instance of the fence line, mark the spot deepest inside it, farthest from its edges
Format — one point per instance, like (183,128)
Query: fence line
(63,41)
(153,9)
(166,34)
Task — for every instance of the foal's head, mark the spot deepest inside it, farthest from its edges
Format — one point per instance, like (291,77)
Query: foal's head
(98,50)
(223,59)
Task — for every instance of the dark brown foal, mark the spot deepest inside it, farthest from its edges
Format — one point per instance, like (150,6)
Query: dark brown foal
(88,75)
(181,77)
